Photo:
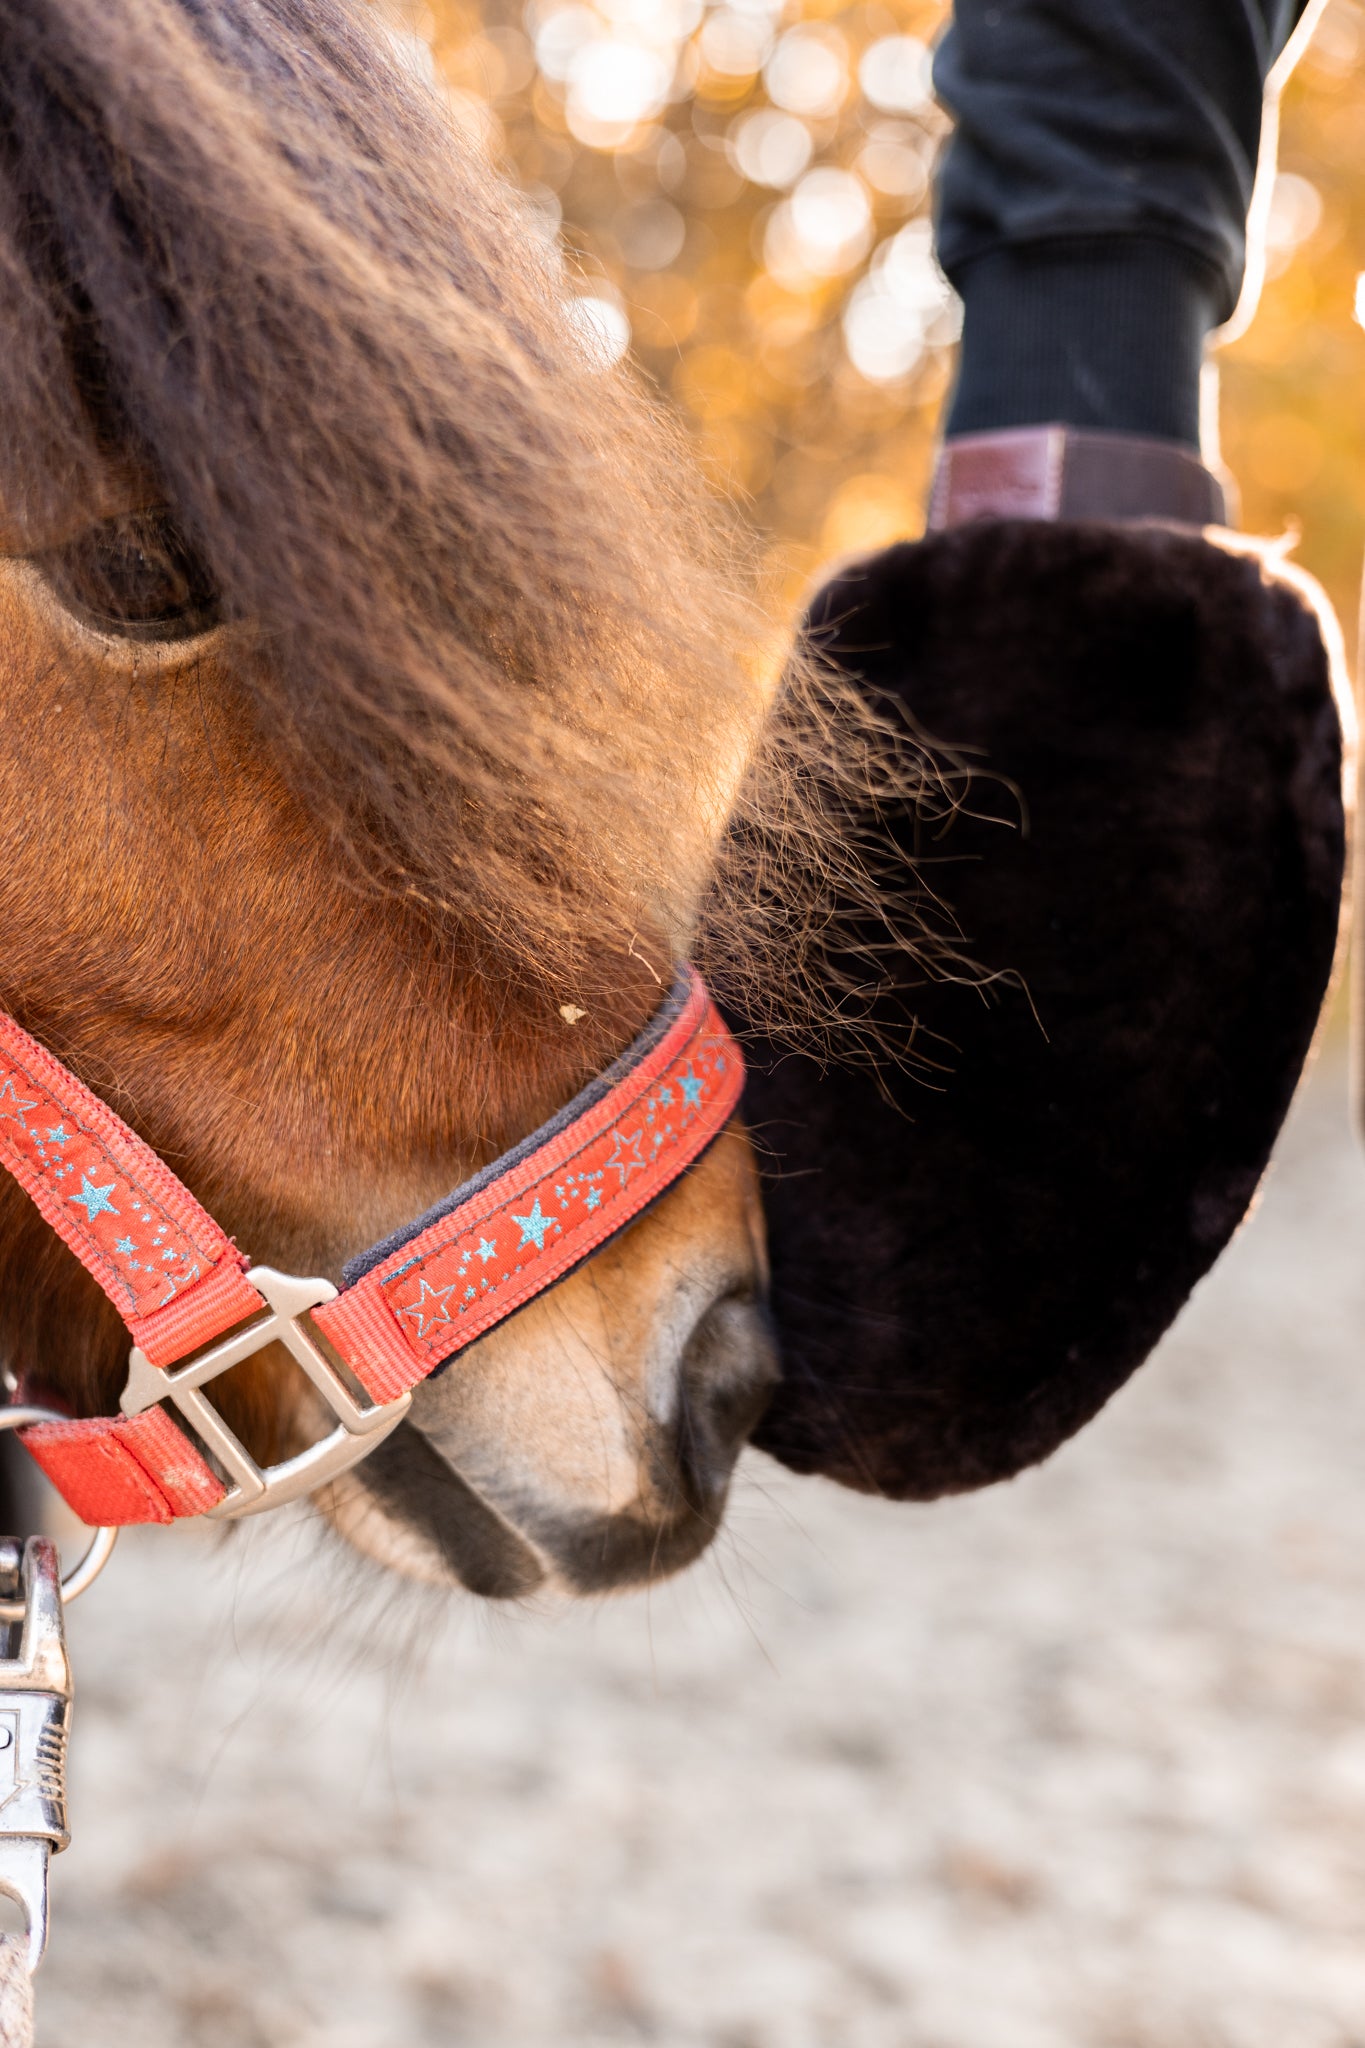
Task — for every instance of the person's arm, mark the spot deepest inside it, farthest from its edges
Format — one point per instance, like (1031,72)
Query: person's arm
(1092,202)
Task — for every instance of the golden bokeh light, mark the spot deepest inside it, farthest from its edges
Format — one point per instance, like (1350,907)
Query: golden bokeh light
(741,188)
(1293,432)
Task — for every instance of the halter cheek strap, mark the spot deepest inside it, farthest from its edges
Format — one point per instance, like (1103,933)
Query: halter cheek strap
(195,1308)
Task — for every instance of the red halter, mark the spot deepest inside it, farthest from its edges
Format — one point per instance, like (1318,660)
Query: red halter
(195,1308)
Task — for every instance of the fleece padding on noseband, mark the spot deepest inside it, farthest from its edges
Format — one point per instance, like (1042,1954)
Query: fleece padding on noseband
(961,1281)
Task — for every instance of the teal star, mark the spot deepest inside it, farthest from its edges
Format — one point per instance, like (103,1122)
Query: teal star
(14,1114)
(419,1308)
(92,1199)
(627,1161)
(126,1246)
(533,1227)
(691,1084)
(486,1250)
(59,1135)
(176,1282)
(593,1198)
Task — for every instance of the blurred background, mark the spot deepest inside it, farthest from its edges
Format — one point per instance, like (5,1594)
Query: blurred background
(1075,1763)
(741,188)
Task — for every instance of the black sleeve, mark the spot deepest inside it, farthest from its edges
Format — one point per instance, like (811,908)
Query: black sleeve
(1097,184)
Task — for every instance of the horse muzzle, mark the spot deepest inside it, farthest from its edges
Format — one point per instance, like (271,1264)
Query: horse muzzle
(579,1447)
(589,1430)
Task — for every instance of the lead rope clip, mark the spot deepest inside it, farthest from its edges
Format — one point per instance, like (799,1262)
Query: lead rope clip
(35,1719)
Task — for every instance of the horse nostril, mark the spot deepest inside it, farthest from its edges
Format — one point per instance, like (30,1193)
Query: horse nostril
(727,1375)
(504,1498)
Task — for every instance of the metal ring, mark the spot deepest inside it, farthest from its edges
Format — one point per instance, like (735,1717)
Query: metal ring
(101,1543)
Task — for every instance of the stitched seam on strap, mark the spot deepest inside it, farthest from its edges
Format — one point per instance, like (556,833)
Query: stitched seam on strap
(174,1198)
(624,1210)
(535,1170)
(126,1173)
(125,1156)
(408,1356)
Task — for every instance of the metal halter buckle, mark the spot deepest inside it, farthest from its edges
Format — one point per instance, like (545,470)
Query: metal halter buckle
(254,1488)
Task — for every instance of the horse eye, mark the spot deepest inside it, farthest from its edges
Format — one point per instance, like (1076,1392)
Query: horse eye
(136,576)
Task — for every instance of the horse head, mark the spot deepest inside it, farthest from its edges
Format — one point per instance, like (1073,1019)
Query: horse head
(375,694)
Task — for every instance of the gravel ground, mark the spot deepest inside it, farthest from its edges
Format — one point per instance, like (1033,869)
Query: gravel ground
(1079,1763)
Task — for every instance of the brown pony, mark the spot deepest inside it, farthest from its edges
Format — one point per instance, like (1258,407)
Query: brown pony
(375,690)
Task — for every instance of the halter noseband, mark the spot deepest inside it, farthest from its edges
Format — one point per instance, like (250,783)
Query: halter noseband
(195,1308)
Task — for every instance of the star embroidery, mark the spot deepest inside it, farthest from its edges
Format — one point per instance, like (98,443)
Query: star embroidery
(14,1114)
(691,1084)
(176,1283)
(126,1246)
(666,1097)
(594,1196)
(59,1135)
(627,1161)
(486,1250)
(92,1199)
(533,1227)
(424,1313)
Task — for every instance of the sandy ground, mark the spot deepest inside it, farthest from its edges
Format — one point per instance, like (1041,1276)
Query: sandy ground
(1076,1764)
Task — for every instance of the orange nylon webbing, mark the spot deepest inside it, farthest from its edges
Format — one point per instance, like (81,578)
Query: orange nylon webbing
(180,1283)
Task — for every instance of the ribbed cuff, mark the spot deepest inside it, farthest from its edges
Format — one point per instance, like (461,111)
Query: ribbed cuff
(1089,333)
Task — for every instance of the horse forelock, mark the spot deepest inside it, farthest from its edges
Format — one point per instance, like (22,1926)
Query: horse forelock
(487,618)
(254,272)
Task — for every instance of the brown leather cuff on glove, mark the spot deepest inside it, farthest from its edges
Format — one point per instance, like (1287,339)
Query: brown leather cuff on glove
(1061,472)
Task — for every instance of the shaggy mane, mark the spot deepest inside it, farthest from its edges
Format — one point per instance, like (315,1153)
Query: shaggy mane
(481,609)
